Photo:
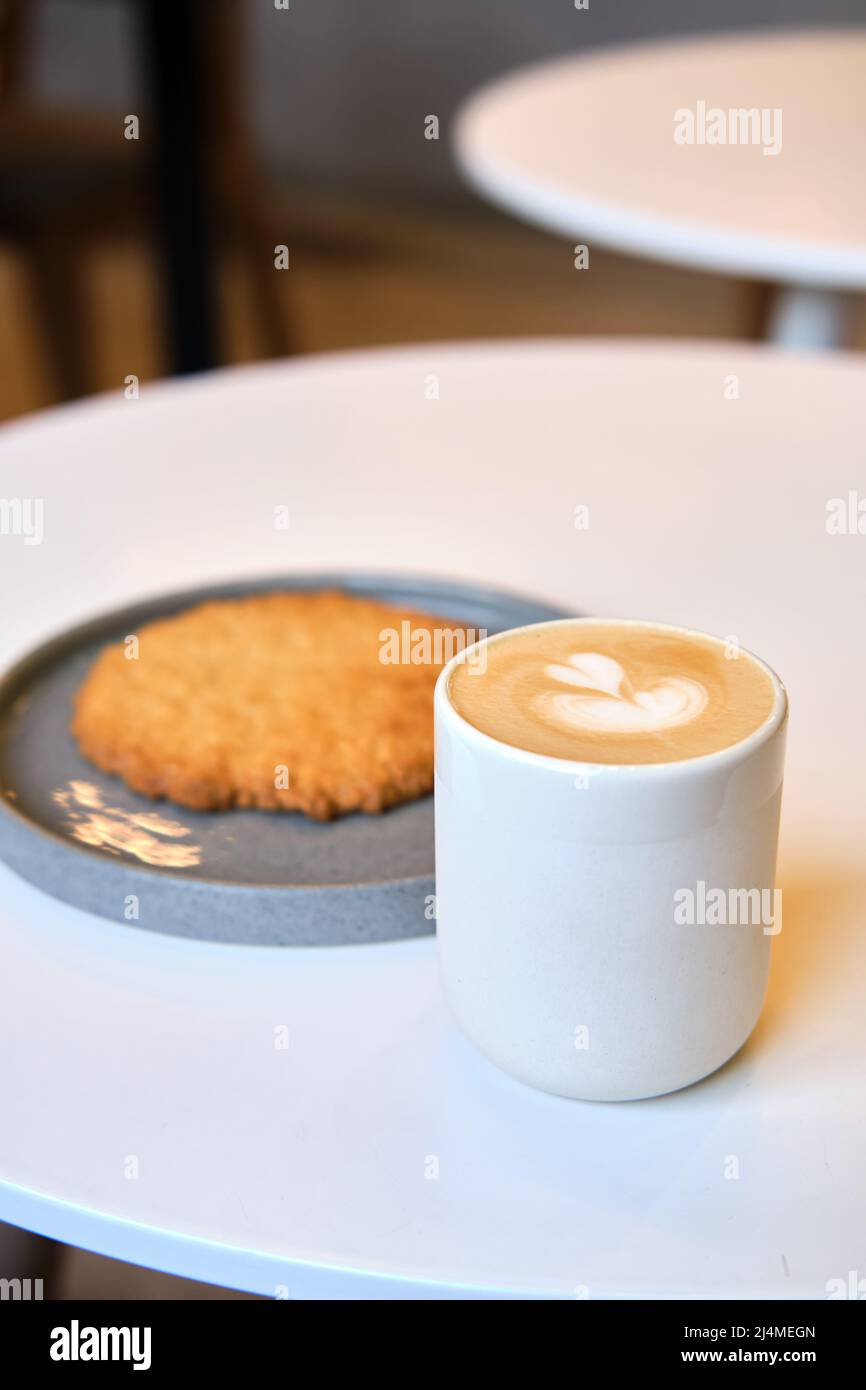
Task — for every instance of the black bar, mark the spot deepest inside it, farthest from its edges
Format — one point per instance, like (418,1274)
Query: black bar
(229,1339)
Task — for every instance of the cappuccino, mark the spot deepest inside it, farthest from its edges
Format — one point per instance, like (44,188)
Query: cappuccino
(596,691)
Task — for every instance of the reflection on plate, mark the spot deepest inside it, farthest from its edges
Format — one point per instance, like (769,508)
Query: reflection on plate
(136,833)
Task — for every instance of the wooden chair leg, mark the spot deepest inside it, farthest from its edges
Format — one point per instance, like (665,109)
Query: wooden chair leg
(759,295)
(272,312)
(52,268)
(25,1256)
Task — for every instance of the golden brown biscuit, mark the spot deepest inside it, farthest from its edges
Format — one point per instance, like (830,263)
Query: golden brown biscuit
(226,703)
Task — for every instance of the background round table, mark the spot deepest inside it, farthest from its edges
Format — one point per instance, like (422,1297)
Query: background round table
(584,146)
(147,1113)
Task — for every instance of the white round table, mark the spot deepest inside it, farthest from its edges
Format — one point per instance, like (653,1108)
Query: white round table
(147,1113)
(585,146)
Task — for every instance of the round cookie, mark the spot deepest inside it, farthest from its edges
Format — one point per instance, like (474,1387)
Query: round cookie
(313,702)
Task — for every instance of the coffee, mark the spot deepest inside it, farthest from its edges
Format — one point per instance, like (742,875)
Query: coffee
(623,692)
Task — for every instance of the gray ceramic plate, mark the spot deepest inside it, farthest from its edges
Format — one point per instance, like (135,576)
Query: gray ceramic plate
(242,876)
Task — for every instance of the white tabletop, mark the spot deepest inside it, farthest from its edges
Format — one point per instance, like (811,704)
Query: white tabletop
(304,1169)
(585,146)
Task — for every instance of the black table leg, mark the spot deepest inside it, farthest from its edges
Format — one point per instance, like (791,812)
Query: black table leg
(175,56)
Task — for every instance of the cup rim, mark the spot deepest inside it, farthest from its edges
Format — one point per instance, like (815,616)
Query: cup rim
(732,753)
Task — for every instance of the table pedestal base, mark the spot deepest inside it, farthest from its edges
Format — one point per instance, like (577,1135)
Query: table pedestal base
(808,319)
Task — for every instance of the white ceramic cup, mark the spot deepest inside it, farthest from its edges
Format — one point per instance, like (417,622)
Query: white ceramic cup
(571,952)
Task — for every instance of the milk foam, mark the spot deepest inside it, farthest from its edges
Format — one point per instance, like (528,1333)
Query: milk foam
(590,690)
(615,706)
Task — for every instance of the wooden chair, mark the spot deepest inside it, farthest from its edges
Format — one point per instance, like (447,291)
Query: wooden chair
(191,177)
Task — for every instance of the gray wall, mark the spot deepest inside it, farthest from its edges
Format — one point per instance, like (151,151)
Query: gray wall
(340,88)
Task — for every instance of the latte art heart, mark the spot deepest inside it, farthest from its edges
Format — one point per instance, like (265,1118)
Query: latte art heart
(608,703)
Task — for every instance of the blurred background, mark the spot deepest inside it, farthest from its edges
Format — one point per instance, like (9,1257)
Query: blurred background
(154,153)
(258,126)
